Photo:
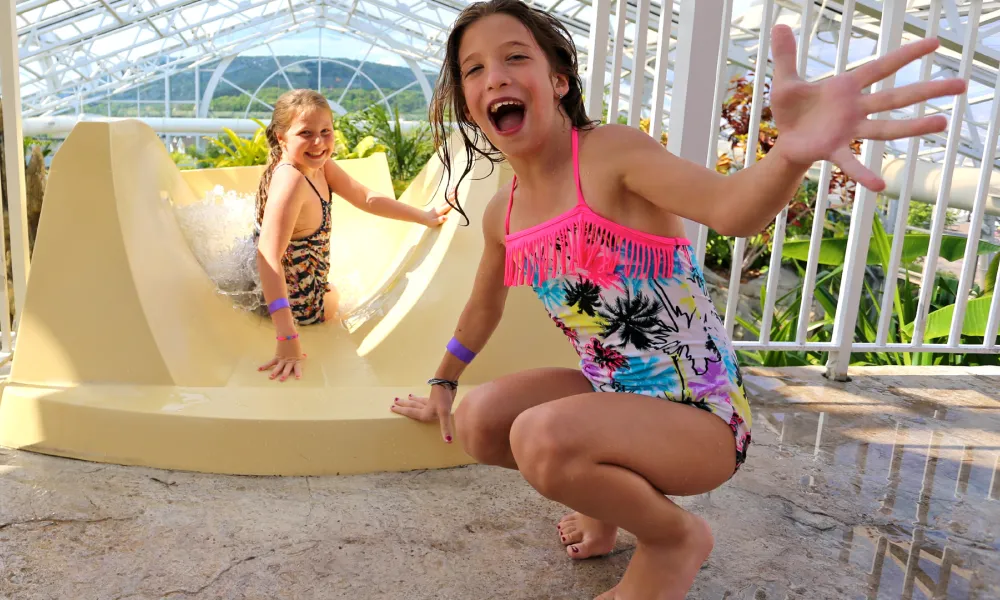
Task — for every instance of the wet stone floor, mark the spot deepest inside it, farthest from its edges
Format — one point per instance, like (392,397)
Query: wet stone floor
(884,487)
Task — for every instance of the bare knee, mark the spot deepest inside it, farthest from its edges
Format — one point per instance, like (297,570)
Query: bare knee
(545,449)
(481,433)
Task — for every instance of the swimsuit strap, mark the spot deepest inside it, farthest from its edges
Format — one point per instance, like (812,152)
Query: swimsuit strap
(576,168)
(510,204)
(304,177)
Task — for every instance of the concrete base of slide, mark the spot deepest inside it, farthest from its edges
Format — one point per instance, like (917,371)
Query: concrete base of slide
(127,354)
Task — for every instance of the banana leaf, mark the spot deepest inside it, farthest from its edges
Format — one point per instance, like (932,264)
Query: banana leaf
(833,250)
(977,312)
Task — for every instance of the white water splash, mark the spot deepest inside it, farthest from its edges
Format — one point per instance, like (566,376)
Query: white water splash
(219,230)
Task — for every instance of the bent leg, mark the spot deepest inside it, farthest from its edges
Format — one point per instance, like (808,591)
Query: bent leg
(483,421)
(485,415)
(331,305)
(615,457)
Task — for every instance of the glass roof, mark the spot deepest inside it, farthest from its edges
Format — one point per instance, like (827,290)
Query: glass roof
(75,50)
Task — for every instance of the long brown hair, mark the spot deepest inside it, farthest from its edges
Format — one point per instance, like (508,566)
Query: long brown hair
(449,99)
(289,105)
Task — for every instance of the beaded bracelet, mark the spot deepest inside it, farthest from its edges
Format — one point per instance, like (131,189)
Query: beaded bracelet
(286,338)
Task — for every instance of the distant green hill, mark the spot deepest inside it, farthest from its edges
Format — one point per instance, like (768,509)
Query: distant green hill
(249,72)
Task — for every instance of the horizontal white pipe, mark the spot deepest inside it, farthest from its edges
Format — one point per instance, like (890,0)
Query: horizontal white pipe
(62,125)
(927,180)
(925,184)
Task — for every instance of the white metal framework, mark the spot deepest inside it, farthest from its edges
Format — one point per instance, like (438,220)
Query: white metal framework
(669,60)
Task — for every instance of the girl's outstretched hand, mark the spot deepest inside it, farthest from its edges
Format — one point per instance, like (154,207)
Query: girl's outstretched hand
(433,217)
(818,121)
(427,410)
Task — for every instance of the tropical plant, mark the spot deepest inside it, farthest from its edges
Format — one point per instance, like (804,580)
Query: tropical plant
(904,306)
(407,152)
(236,151)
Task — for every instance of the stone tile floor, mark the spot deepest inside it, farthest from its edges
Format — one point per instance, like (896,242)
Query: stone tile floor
(884,487)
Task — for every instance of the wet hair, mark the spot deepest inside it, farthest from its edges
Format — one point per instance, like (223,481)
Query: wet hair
(449,100)
(289,106)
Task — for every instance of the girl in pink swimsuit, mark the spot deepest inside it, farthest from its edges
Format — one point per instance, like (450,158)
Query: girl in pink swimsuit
(592,221)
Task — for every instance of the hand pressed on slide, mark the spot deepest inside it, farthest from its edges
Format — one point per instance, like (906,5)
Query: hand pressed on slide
(287,360)
(819,120)
(436,216)
(427,410)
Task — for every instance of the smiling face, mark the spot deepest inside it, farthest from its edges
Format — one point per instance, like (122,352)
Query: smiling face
(309,140)
(511,92)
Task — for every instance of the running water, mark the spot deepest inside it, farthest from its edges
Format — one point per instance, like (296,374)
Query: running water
(219,230)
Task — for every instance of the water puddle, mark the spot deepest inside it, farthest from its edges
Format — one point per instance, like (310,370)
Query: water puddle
(922,476)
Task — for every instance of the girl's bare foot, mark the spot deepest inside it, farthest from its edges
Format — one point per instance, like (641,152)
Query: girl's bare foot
(665,569)
(585,537)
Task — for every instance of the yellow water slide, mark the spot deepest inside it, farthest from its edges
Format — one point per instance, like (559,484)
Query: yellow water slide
(127,353)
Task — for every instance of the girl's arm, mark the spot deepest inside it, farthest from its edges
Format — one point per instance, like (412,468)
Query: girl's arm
(741,204)
(485,306)
(372,202)
(281,212)
(476,324)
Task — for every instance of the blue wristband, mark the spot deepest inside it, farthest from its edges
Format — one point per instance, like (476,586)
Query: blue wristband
(461,352)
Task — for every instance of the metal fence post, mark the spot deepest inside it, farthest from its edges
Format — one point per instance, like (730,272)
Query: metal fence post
(862,214)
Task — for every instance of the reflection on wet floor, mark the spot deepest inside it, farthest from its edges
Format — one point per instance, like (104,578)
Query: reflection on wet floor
(922,466)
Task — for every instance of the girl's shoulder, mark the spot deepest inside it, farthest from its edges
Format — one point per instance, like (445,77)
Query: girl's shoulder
(286,184)
(612,136)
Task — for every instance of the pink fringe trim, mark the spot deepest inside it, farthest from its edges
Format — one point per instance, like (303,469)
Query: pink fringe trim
(579,245)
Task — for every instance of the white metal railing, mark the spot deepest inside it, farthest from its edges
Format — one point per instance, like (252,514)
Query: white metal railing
(694,134)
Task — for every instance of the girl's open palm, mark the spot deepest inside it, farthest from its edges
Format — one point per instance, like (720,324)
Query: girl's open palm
(818,121)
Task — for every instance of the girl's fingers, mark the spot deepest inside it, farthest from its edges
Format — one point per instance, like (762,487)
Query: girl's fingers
(881,68)
(894,129)
(289,365)
(852,167)
(444,417)
(298,370)
(412,402)
(268,364)
(911,94)
(417,414)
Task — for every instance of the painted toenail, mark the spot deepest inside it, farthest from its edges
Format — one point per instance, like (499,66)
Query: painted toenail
(575,549)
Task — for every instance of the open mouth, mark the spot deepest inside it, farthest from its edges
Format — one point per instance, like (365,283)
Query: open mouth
(316,155)
(507,115)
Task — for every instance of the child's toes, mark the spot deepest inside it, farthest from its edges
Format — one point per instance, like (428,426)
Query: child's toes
(572,537)
(584,549)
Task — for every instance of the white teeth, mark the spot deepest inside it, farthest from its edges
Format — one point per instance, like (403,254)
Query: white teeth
(495,107)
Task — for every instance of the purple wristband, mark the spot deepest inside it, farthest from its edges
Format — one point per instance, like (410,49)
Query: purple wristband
(461,352)
(277,305)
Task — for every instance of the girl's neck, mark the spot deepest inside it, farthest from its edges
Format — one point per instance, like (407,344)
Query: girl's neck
(551,156)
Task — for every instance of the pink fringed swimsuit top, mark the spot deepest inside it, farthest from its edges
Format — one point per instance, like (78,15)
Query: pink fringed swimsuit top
(580,241)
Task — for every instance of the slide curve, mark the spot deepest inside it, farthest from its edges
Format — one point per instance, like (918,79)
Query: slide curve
(126,353)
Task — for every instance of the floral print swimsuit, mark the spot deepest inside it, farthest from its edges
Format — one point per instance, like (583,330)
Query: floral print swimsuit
(634,306)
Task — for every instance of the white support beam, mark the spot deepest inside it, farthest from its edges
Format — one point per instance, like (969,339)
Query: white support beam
(10,91)
(691,110)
